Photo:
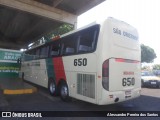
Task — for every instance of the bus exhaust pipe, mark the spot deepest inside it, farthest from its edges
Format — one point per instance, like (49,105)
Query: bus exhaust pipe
(116,100)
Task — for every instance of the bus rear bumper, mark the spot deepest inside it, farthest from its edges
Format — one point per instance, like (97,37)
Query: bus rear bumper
(118,96)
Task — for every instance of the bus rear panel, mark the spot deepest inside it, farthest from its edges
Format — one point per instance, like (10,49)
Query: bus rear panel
(120,62)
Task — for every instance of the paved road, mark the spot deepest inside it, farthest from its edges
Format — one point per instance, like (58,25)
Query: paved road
(42,101)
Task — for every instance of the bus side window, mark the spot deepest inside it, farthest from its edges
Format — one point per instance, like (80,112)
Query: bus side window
(55,49)
(44,52)
(88,40)
(30,55)
(69,45)
(37,53)
(94,39)
(85,43)
(84,48)
(69,50)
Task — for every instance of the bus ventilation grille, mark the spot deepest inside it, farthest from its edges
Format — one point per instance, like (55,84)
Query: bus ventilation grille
(86,85)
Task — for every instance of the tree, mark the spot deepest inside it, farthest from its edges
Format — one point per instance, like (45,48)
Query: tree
(64,28)
(148,68)
(156,67)
(60,31)
(147,54)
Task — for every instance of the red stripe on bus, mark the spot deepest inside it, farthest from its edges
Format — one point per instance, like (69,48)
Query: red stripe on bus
(59,69)
(126,60)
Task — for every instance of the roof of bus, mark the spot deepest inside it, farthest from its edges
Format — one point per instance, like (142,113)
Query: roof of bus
(9,50)
(97,22)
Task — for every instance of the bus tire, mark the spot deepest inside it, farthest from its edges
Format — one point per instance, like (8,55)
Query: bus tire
(52,87)
(64,92)
(142,83)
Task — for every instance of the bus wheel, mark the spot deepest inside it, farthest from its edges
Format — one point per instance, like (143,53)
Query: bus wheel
(64,92)
(52,87)
(142,83)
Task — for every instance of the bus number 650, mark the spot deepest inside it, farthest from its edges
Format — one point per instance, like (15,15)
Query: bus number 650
(80,62)
(128,81)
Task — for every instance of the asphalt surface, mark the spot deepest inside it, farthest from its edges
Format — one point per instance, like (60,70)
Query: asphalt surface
(42,101)
(12,86)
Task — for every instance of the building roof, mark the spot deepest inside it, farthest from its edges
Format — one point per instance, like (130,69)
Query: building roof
(19,27)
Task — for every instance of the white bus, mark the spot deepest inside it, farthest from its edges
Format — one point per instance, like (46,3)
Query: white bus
(99,63)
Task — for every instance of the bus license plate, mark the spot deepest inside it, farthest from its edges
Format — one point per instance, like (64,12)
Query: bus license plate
(128,92)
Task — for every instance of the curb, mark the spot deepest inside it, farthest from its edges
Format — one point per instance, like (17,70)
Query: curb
(20,91)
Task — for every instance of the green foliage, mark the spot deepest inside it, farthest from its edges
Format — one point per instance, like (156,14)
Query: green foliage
(147,54)
(156,67)
(60,31)
(147,68)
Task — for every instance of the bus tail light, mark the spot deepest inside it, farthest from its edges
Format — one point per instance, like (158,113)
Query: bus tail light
(105,75)
(126,60)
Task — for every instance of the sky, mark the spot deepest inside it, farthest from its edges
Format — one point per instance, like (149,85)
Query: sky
(142,14)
